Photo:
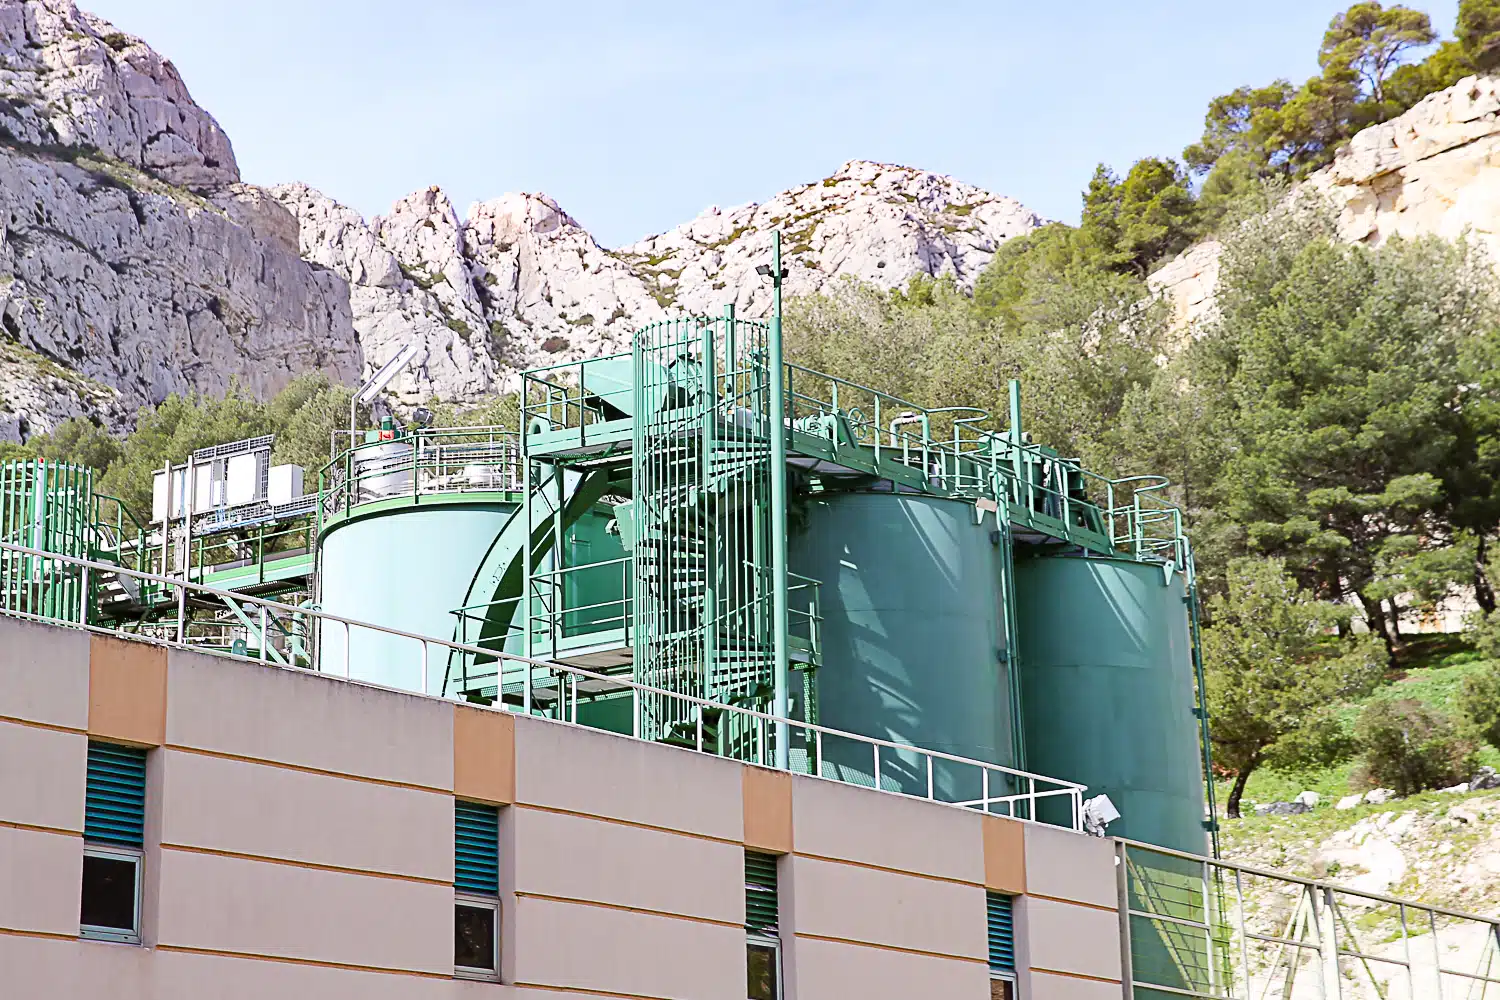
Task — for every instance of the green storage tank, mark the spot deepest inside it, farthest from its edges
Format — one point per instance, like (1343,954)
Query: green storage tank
(914,635)
(409,565)
(1107,689)
(406,566)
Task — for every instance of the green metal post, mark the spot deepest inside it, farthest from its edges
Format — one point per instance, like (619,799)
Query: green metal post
(1015,440)
(712,566)
(778,512)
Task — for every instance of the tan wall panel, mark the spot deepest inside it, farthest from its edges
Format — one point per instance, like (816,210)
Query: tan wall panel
(820,970)
(594,948)
(577,858)
(307,720)
(484,755)
(1077,939)
(127,690)
(42,777)
(878,828)
(280,910)
(601,774)
(1068,865)
(902,911)
(41,875)
(768,810)
(262,809)
(86,970)
(1004,855)
(1045,987)
(44,674)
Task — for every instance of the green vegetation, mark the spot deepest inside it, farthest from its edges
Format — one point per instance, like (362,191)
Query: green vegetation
(1410,748)
(1276,676)
(303,417)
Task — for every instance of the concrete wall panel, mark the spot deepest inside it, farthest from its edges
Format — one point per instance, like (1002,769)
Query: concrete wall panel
(260,908)
(878,907)
(768,810)
(484,754)
(1067,865)
(598,861)
(1046,987)
(823,969)
(1077,939)
(42,775)
(85,969)
(127,690)
(41,877)
(892,831)
(269,811)
(44,674)
(605,775)
(1004,855)
(568,946)
(299,718)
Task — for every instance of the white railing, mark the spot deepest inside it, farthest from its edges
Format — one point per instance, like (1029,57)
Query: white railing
(826,753)
(1218,930)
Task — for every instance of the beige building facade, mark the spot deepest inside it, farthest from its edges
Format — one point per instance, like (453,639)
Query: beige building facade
(299,842)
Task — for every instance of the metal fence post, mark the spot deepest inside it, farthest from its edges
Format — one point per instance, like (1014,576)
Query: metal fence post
(1122,890)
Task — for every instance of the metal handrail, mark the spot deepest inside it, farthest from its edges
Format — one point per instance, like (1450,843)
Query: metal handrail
(812,732)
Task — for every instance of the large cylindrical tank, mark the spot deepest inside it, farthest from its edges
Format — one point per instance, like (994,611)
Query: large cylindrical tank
(1107,690)
(914,636)
(406,567)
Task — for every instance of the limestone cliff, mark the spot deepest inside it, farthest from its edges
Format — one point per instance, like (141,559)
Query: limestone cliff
(1434,170)
(132,261)
(135,263)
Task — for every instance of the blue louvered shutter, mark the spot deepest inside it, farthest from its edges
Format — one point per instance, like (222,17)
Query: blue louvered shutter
(1002,931)
(760,893)
(114,805)
(476,853)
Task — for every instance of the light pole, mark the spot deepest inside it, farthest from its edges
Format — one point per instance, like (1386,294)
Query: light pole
(779,599)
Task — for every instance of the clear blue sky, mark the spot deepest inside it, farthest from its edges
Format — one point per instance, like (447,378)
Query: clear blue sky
(637,116)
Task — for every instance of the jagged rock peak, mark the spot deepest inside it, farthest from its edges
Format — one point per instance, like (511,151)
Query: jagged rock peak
(69,78)
(876,222)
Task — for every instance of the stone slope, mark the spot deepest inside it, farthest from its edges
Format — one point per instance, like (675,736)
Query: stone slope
(1434,170)
(130,255)
(519,283)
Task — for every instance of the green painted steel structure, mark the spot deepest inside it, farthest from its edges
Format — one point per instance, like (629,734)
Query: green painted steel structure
(1109,688)
(703,517)
(916,644)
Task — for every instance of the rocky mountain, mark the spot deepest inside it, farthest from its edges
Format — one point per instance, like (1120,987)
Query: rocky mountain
(1434,170)
(519,283)
(134,262)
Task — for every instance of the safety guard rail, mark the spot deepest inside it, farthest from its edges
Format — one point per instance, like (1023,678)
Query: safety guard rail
(563,682)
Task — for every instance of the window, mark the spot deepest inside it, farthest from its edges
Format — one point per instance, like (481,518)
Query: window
(114,830)
(1002,935)
(476,884)
(762,943)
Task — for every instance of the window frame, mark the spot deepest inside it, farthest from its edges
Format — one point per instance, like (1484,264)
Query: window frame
(1008,977)
(753,939)
(96,932)
(476,902)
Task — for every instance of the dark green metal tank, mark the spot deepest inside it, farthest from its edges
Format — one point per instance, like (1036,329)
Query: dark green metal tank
(915,638)
(1107,690)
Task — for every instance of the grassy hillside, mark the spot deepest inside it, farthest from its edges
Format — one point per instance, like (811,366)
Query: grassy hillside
(1433,673)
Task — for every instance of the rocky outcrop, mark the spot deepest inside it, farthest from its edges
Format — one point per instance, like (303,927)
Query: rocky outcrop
(74,80)
(131,258)
(1433,171)
(519,283)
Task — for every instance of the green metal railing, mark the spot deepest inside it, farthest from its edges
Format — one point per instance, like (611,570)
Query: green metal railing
(45,506)
(420,463)
(953,452)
